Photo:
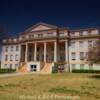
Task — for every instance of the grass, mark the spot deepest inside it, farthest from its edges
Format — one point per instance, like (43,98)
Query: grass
(51,87)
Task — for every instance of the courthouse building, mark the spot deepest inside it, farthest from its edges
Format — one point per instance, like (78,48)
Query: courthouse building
(42,46)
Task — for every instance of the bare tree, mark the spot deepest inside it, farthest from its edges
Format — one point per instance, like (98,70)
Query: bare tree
(93,55)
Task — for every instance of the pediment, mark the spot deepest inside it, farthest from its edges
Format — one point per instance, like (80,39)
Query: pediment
(41,27)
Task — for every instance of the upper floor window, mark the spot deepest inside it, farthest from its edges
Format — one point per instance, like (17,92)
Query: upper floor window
(31,36)
(6,57)
(52,48)
(17,48)
(62,34)
(49,34)
(38,48)
(90,43)
(12,48)
(40,35)
(81,33)
(73,33)
(30,49)
(73,55)
(81,55)
(62,48)
(81,44)
(11,57)
(6,49)
(73,44)
(89,32)
(16,57)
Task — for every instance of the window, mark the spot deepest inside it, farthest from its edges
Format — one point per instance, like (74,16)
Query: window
(11,57)
(30,49)
(62,34)
(81,55)
(81,44)
(40,35)
(17,48)
(81,66)
(52,57)
(62,57)
(6,49)
(11,48)
(49,34)
(5,65)
(38,48)
(81,33)
(16,57)
(6,57)
(16,65)
(62,48)
(73,66)
(91,66)
(10,66)
(89,32)
(31,36)
(52,48)
(33,68)
(73,56)
(90,43)
(73,44)
(73,33)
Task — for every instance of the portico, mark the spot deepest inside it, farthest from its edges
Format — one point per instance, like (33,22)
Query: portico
(47,51)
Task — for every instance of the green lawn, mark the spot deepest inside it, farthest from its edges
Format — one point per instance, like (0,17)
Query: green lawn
(51,87)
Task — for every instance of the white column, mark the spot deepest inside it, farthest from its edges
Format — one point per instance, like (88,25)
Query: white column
(26,52)
(20,55)
(35,51)
(55,51)
(66,51)
(45,46)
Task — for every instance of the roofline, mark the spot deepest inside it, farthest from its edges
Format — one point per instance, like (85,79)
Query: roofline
(85,29)
(40,23)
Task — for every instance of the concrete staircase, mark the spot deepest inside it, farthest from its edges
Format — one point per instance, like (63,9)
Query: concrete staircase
(23,67)
(47,69)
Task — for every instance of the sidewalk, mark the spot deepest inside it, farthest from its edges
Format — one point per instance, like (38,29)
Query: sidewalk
(16,74)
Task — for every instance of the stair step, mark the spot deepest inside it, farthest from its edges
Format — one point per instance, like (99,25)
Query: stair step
(47,68)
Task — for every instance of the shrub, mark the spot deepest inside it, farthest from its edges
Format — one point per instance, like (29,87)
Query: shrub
(55,68)
(6,70)
(85,71)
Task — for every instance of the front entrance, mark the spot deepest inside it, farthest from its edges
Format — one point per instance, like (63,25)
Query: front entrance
(61,68)
(33,68)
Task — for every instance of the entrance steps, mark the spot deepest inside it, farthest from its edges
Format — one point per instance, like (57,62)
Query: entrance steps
(23,67)
(47,69)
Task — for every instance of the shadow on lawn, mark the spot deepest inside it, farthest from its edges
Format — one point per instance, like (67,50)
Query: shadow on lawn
(95,76)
